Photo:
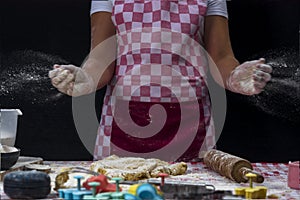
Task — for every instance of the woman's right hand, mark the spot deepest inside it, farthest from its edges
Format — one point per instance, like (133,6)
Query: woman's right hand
(71,80)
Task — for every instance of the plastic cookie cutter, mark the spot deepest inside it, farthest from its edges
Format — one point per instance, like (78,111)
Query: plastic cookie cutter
(258,192)
(104,185)
(96,188)
(110,195)
(145,191)
(93,185)
(162,178)
(74,193)
(148,191)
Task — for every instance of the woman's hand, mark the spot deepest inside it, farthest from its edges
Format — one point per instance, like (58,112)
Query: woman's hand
(71,80)
(250,77)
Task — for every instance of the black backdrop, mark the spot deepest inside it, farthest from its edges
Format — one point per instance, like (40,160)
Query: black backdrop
(61,28)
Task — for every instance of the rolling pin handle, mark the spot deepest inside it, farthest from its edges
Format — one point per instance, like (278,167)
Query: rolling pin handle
(258,179)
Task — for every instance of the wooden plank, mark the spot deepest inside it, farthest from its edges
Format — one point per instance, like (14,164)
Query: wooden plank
(21,163)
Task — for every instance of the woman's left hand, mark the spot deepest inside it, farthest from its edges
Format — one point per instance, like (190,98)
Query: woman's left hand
(250,77)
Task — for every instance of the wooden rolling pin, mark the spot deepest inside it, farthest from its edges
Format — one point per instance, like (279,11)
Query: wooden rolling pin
(231,166)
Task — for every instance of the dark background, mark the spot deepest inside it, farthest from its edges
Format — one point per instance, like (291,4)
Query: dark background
(61,28)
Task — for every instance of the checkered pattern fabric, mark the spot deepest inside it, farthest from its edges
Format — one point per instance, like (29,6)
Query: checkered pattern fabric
(159,59)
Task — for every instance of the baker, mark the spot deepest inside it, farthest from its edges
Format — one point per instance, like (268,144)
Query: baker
(149,54)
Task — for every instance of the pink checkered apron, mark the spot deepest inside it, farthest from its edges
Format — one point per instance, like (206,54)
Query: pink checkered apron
(158,64)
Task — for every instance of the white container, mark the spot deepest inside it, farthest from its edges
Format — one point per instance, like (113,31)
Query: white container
(8,126)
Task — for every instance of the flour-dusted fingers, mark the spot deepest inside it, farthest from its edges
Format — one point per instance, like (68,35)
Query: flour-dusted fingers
(53,73)
(56,69)
(60,77)
(66,81)
(265,68)
(249,77)
(67,89)
(60,70)
(70,91)
(261,76)
(71,80)
(72,68)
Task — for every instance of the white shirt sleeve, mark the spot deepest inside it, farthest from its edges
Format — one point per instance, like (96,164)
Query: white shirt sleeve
(214,7)
(217,7)
(101,6)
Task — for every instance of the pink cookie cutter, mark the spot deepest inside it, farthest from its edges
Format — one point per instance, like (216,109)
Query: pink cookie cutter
(294,175)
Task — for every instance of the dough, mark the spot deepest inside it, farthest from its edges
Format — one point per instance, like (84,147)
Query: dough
(133,168)
(127,168)
(65,178)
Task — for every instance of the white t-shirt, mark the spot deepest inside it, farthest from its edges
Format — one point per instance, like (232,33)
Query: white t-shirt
(214,7)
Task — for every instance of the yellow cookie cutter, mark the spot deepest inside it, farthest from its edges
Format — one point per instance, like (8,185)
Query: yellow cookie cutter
(258,192)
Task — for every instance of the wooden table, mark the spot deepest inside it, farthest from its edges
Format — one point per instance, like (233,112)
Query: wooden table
(275,177)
